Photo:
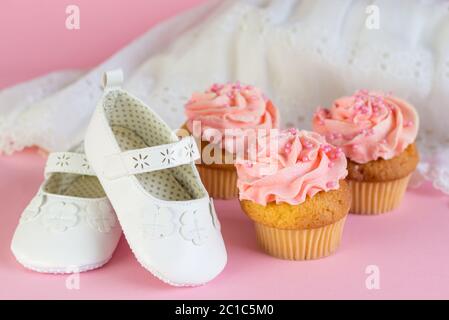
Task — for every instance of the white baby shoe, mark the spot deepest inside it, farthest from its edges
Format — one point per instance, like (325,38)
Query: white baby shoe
(151,180)
(69,226)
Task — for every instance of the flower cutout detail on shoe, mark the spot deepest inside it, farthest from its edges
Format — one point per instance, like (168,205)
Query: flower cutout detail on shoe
(63,160)
(85,164)
(100,216)
(194,227)
(168,156)
(60,216)
(190,150)
(141,161)
(33,209)
(157,223)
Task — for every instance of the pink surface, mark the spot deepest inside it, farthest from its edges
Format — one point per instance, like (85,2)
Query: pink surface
(409,246)
(34,39)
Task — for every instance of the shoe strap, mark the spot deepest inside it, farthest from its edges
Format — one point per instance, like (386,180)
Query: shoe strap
(151,159)
(68,162)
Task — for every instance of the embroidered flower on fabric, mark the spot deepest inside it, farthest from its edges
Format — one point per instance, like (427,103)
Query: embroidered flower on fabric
(60,216)
(195,226)
(157,223)
(33,209)
(101,216)
(168,156)
(63,160)
(141,161)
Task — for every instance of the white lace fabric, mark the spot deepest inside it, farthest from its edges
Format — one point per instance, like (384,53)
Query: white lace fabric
(301,53)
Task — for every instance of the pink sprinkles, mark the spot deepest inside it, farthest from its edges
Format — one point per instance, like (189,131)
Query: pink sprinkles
(326,148)
(215,88)
(292,131)
(367,132)
(332,153)
(308,145)
(366,103)
(408,124)
(331,184)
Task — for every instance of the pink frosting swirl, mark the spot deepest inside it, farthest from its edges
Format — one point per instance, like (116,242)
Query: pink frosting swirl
(368,125)
(231,107)
(291,165)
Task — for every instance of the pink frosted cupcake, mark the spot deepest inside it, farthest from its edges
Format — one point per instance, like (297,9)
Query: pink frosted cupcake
(377,134)
(295,193)
(223,117)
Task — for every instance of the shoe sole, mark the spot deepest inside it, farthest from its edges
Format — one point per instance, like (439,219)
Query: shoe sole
(64,270)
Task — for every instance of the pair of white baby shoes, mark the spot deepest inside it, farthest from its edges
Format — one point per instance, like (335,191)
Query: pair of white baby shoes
(136,166)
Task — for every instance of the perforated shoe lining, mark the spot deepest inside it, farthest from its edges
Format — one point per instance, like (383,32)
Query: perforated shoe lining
(74,185)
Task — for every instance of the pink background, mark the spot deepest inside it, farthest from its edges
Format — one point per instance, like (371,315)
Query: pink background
(409,245)
(36,41)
